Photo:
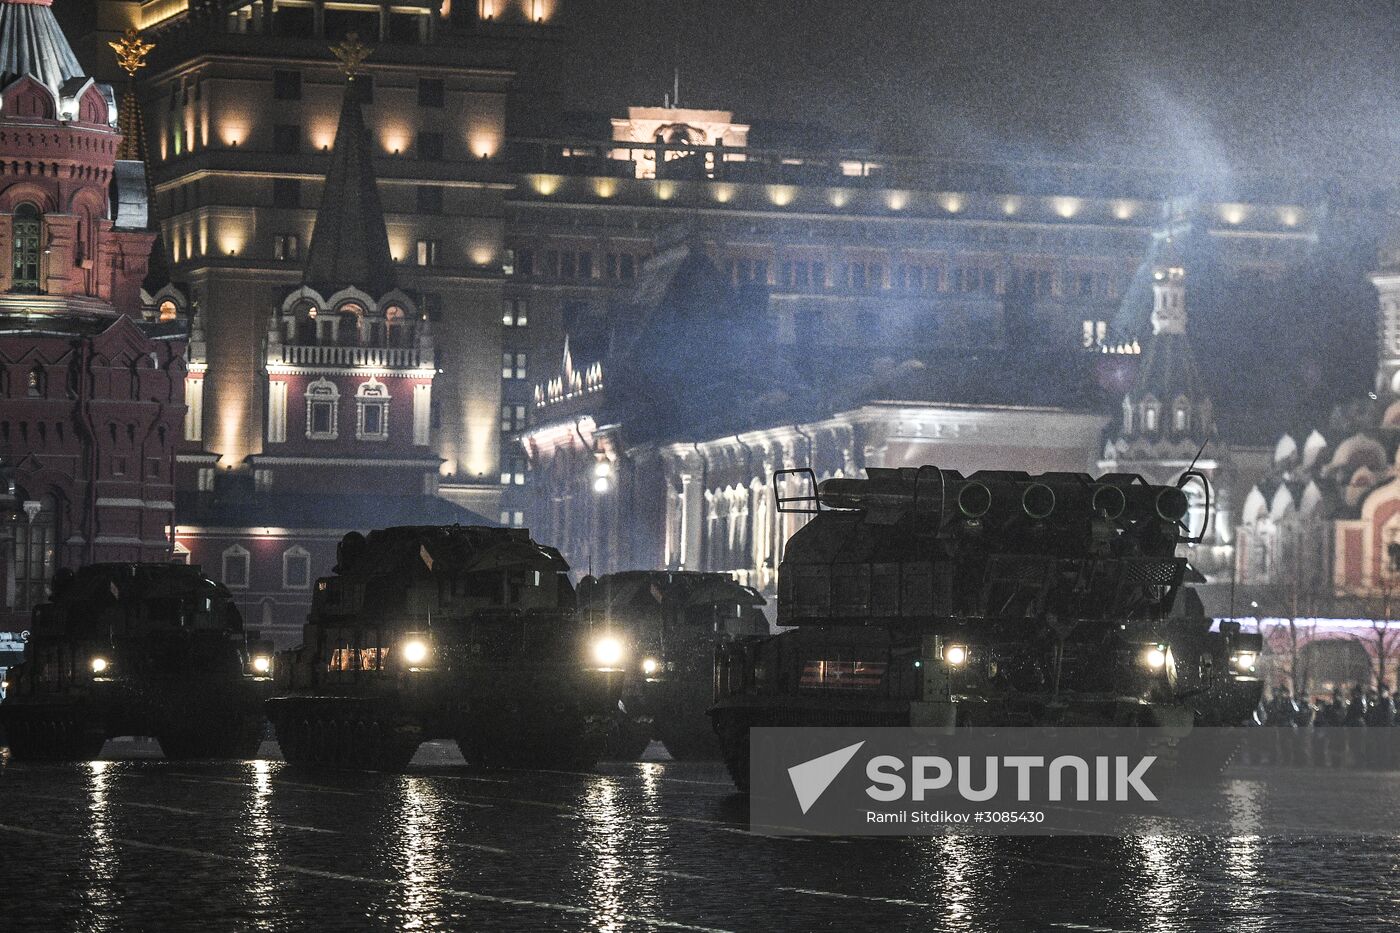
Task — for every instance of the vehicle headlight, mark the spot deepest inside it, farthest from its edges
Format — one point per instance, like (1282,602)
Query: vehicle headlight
(1245,661)
(99,665)
(607,651)
(1156,657)
(415,651)
(650,666)
(956,655)
(262,664)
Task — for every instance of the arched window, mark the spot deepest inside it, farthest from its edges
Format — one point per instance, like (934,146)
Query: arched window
(168,311)
(394,320)
(37,383)
(351,316)
(27,231)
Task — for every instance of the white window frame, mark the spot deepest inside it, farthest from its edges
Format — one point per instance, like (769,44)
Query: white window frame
(372,394)
(422,414)
(236,552)
(295,552)
(323,391)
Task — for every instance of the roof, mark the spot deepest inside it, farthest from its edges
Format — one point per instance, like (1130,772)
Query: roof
(32,43)
(332,511)
(349,245)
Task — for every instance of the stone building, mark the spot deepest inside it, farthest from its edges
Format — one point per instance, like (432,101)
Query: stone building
(656,442)
(348,374)
(1318,553)
(1167,420)
(91,391)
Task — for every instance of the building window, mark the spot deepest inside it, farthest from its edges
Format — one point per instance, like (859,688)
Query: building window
(1179,420)
(167,311)
(525,262)
(287,247)
(206,479)
(513,471)
(181,554)
(512,417)
(512,365)
(262,480)
(372,418)
(429,199)
(322,410)
(1095,334)
(27,232)
(515,312)
(34,533)
(236,567)
(36,383)
(286,85)
(1149,418)
(194,409)
(286,192)
(513,519)
(430,92)
(296,568)
(286,138)
(427,252)
(429,145)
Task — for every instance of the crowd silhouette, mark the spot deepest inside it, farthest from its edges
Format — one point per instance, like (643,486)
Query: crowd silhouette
(1349,728)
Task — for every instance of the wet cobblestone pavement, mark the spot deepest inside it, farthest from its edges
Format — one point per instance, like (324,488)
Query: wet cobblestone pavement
(134,842)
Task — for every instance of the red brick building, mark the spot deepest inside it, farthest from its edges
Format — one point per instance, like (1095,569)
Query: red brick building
(349,363)
(91,380)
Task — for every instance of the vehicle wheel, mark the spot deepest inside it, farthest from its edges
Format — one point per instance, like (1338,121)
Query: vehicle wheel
(626,740)
(694,744)
(54,737)
(734,746)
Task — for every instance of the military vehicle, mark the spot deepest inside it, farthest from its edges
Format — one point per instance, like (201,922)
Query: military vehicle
(454,632)
(670,623)
(920,597)
(138,649)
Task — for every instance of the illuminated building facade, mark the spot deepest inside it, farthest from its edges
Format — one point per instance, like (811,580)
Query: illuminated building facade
(241,107)
(91,387)
(1319,535)
(349,370)
(646,460)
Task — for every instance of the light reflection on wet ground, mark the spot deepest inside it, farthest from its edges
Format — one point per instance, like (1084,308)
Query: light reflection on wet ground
(142,843)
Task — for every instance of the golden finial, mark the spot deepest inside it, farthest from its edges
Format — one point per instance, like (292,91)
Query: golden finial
(351,53)
(131,52)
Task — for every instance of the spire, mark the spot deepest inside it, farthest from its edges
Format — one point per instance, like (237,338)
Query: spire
(1169,291)
(32,43)
(349,245)
(131,51)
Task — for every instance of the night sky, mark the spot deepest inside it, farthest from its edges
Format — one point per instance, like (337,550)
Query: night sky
(1281,84)
(1284,86)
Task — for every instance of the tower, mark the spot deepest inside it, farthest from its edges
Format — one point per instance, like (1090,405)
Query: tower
(1167,420)
(91,391)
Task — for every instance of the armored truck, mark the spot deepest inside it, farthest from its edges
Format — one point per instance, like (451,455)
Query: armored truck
(921,597)
(138,649)
(670,623)
(454,632)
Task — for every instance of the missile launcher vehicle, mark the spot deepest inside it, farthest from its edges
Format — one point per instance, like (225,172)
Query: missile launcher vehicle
(453,632)
(670,623)
(138,649)
(920,597)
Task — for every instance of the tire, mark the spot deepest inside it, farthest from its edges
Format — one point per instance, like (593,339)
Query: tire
(626,741)
(53,736)
(734,746)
